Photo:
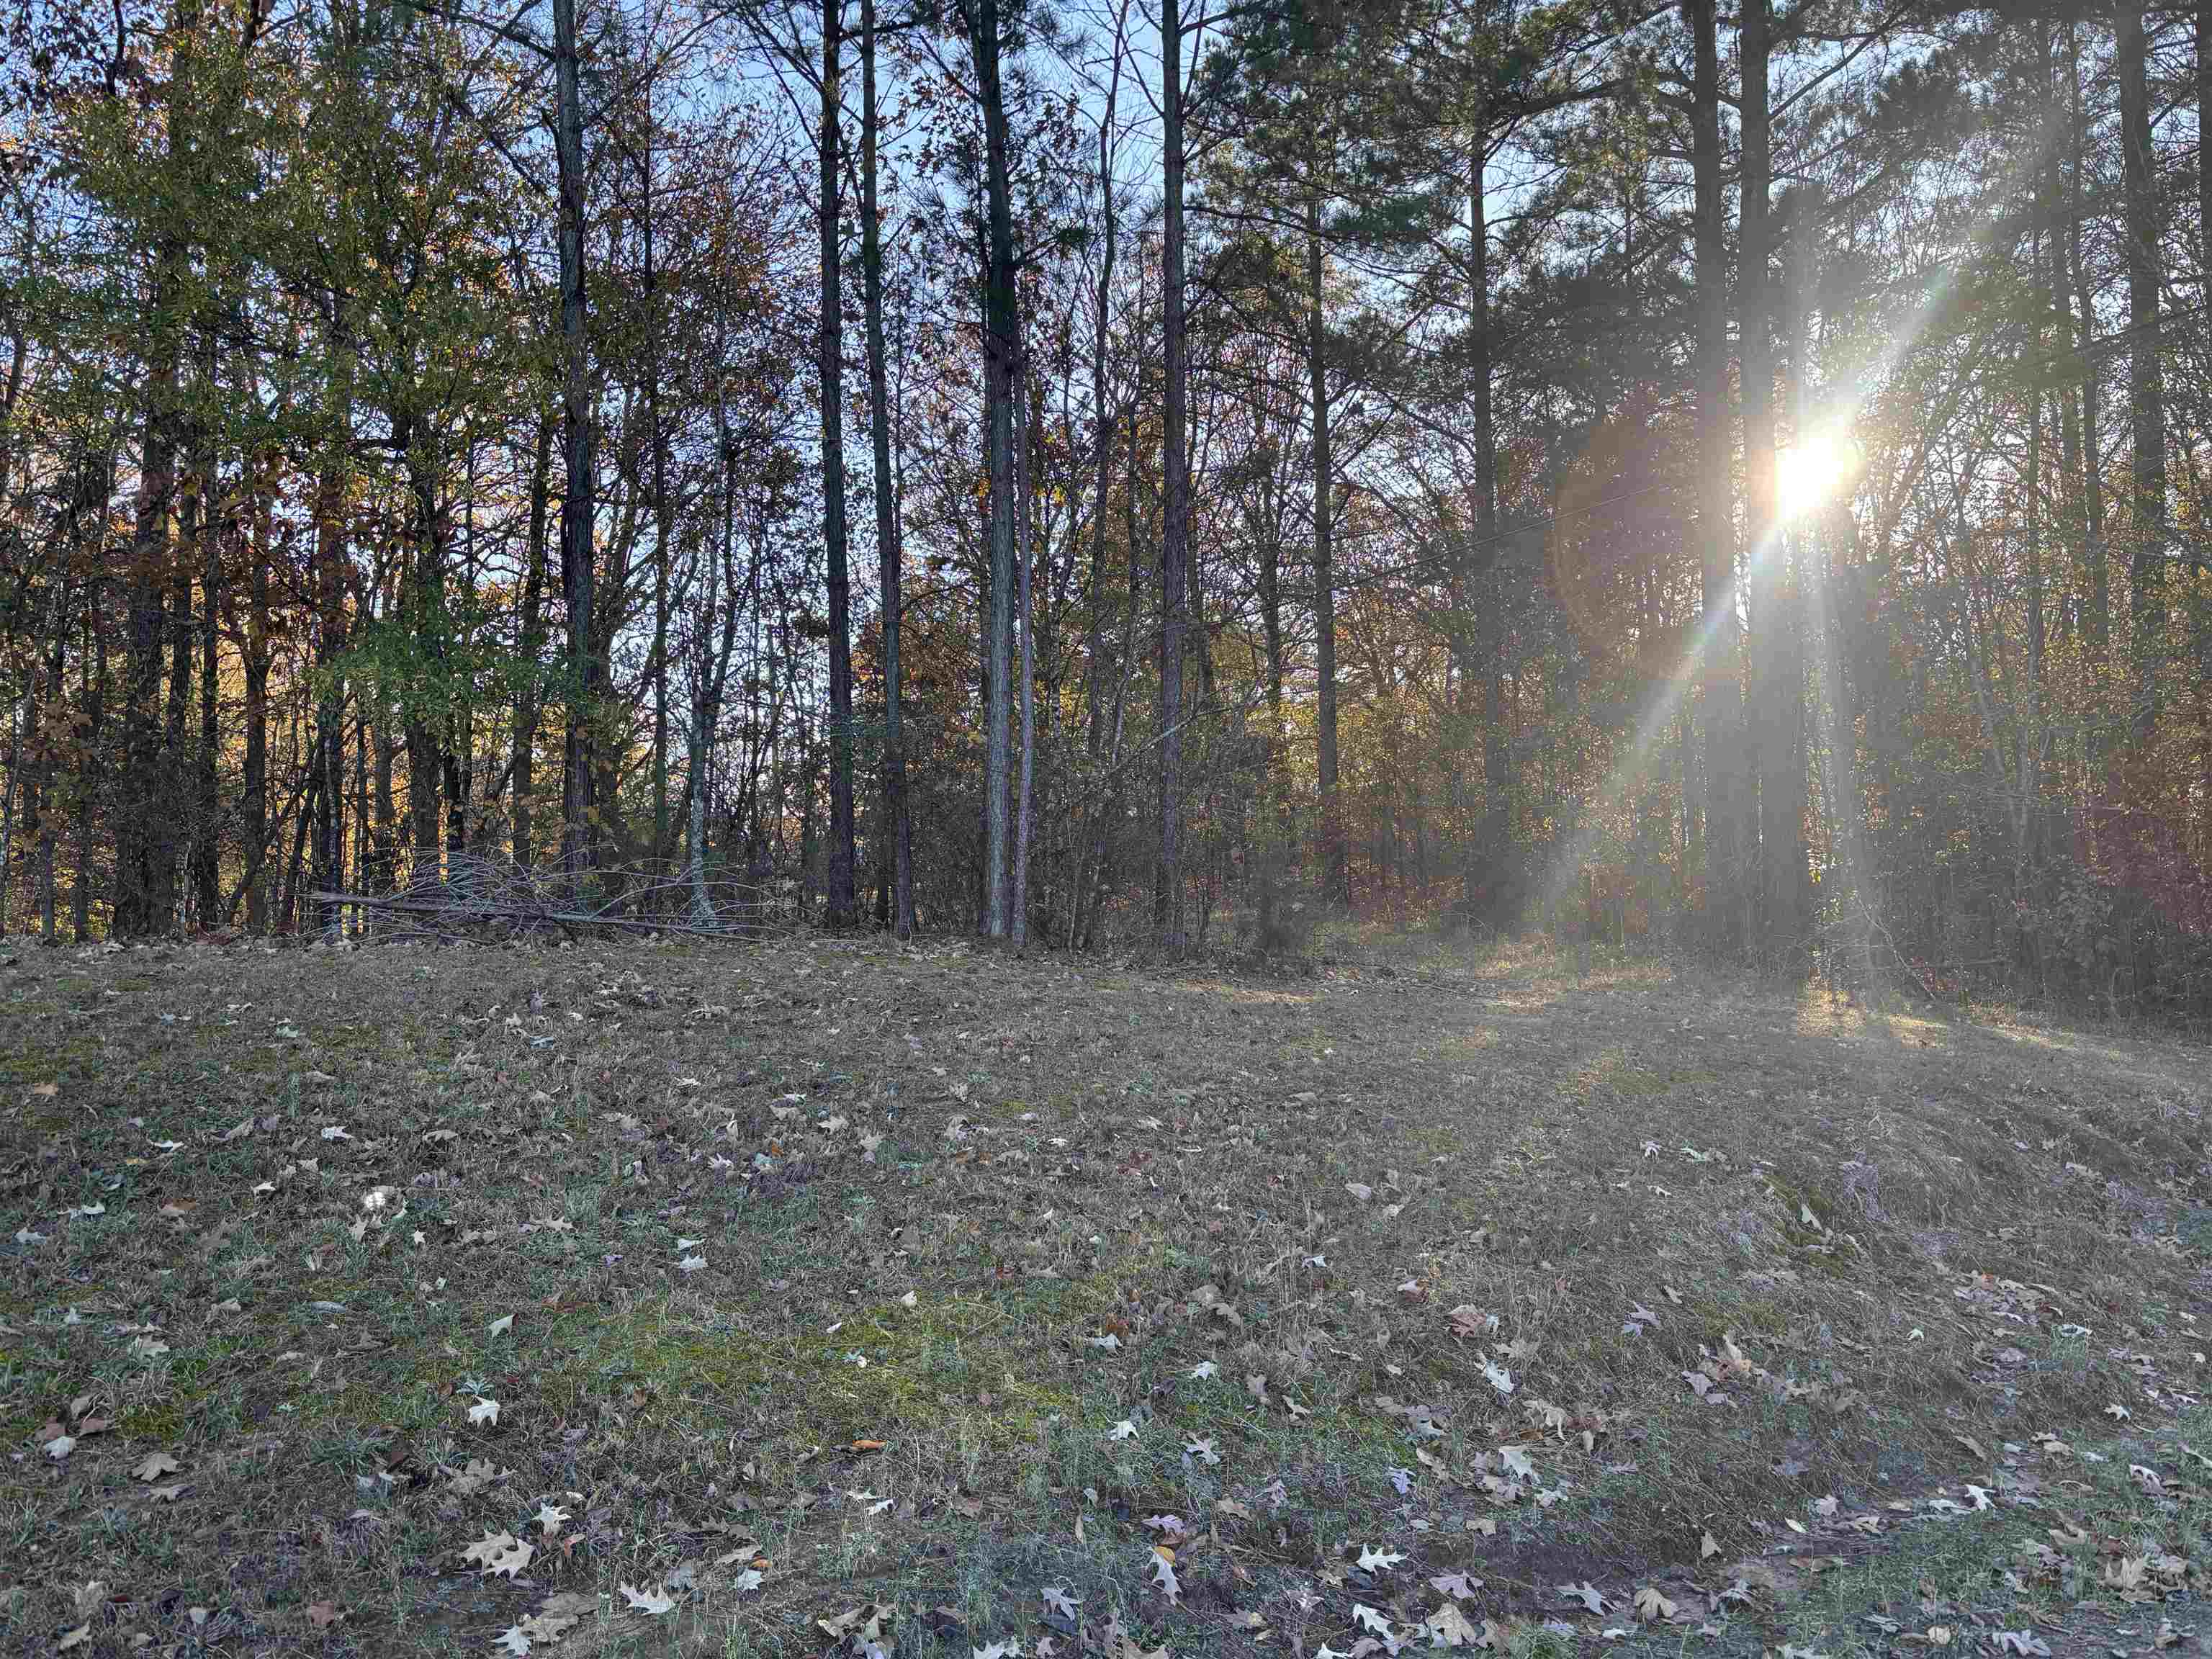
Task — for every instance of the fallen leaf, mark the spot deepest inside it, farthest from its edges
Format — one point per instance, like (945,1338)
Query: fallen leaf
(500,1552)
(652,1603)
(472,1479)
(1586,1593)
(1447,1627)
(1651,1605)
(1120,1644)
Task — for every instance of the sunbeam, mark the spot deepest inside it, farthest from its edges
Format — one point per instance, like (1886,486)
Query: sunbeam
(1816,475)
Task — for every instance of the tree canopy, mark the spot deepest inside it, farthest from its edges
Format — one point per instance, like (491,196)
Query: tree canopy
(1080,473)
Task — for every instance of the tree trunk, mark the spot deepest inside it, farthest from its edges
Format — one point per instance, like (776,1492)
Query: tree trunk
(1018,921)
(1772,751)
(831,370)
(697,737)
(22,721)
(207,812)
(143,810)
(897,830)
(579,843)
(2203,45)
(457,767)
(331,571)
(330,718)
(1722,697)
(1336,871)
(2146,388)
(664,508)
(42,806)
(177,815)
(1000,342)
(384,832)
(2098,624)
(92,668)
(529,700)
(1274,831)
(1496,839)
(422,608)
(1804,580)
(2201,558)
(1096,810)
(1175,538)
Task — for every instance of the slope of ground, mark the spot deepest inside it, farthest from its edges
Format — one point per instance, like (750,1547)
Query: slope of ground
(654,1298)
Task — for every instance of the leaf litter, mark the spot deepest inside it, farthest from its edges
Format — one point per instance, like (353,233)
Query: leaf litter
(1322,1296)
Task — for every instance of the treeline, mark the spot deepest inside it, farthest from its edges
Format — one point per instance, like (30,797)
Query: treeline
(1074,473)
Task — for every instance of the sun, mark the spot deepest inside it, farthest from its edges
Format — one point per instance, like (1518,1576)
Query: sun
(1812,471)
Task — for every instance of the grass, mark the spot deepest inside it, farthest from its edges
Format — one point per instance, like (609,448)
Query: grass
(995,1266)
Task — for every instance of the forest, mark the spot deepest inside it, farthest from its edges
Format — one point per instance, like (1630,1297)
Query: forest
(1088,475)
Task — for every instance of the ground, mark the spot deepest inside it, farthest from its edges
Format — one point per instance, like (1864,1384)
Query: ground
(639,1298)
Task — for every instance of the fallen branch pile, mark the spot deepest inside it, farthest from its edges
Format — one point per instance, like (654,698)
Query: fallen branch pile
(474,897)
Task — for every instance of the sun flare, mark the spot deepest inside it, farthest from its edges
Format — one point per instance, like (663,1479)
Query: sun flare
(1812,471)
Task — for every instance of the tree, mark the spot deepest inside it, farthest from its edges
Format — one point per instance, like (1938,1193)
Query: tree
(2147,566)
(897,824)
(1773,763)
(831,373)
(1720,713)
(586,679)
(985,32)
(1175,541)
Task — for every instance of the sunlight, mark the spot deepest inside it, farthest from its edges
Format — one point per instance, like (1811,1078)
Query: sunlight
(1812,471)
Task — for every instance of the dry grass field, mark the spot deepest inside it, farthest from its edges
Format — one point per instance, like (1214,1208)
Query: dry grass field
(649,1299)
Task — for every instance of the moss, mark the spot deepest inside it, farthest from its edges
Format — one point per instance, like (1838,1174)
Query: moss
(167,1422)
(921,1363)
